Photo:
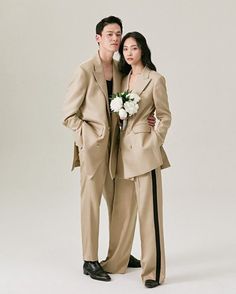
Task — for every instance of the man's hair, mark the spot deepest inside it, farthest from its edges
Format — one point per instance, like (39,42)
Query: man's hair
(106,21)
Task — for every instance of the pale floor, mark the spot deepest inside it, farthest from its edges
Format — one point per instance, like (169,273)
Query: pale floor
(40,251)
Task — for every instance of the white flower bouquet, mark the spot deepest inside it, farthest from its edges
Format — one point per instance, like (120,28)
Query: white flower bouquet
(125,104)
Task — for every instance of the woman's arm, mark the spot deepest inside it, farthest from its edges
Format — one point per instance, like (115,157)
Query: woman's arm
(162,108)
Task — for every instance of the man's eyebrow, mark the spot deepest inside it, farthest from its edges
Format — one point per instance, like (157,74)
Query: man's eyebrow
(113,31)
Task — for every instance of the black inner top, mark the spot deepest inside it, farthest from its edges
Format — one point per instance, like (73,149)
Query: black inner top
(109,87)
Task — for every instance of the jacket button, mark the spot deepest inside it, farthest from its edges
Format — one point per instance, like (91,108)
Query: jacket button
(130,146)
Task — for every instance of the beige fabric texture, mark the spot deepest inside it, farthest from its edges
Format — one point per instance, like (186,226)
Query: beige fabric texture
(141,147)
(131,196)
(87,112)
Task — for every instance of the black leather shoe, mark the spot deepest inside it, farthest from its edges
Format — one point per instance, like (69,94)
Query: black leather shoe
(134,262)
(95,271)
(151,283)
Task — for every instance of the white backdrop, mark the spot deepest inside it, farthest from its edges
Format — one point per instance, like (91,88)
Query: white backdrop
(193,45)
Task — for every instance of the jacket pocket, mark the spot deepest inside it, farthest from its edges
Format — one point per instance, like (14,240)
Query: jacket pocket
(78,138)
(99,131)
(142,129)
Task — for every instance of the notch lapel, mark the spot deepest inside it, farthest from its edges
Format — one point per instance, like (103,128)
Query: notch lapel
(100,79)
(142,81)
(99,75)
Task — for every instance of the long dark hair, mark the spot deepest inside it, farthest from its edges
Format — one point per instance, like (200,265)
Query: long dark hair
(124,67)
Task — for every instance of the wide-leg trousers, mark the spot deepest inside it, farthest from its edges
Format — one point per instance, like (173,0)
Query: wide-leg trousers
(91,191)
(147,199)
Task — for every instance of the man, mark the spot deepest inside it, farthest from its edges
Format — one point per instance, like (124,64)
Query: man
(87,113)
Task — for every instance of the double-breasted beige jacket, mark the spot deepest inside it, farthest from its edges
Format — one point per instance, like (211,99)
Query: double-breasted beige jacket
(141,149)
(87,112)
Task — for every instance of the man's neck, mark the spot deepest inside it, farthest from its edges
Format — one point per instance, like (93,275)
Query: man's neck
(106,56)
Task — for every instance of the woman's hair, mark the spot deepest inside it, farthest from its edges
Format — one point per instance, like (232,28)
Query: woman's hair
(124,67)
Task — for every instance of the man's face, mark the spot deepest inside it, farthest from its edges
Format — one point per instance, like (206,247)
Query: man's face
(110,37)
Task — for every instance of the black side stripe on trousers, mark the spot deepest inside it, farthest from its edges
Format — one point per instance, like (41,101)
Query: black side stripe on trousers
(156,225)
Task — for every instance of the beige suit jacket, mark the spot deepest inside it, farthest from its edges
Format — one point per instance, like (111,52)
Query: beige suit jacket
(141,147)
(86,111)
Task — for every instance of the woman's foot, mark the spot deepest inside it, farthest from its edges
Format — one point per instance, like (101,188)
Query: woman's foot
(134,262)
(151,283)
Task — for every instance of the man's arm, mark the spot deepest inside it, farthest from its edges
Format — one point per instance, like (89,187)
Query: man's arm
(74,98)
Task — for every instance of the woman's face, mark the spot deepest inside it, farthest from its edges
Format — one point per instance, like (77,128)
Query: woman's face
(132,53)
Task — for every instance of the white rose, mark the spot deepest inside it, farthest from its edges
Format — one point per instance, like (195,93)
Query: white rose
(134,97)
(122,114)
(116,104)
(131,107)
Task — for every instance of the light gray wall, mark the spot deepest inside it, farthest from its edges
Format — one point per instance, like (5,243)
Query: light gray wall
(193,46)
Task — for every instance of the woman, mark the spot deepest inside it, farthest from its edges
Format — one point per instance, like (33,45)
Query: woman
(140,159)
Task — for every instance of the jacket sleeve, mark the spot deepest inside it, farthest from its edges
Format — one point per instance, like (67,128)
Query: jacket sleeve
(75,96)
(162,108)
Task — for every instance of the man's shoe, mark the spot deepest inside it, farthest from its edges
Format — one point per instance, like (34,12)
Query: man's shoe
(151,283)
(95,271)
(134,262)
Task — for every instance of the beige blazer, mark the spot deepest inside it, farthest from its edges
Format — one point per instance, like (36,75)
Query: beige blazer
(141,147)
(86,111)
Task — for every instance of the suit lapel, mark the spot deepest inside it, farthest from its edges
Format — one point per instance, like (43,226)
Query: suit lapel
(100,78)
(142,81)
(99,75)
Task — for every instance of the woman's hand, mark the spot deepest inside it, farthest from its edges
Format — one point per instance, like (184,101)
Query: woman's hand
(151,120)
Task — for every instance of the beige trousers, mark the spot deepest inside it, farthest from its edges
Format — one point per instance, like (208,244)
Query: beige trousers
(147,199)
(91,190)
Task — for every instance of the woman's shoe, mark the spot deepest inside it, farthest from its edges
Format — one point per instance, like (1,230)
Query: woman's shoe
(151,283)
(134,262)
